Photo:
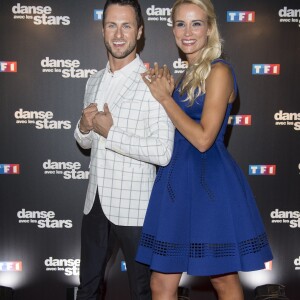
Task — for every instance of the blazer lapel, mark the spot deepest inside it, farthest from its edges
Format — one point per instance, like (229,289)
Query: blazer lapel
(132,80)
(98,92)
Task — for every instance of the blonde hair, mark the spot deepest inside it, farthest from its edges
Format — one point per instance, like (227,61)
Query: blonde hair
(193,82)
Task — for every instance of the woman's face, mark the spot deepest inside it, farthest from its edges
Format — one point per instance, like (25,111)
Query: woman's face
(190,29)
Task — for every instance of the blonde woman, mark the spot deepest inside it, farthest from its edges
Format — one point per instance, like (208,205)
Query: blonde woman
(202,217)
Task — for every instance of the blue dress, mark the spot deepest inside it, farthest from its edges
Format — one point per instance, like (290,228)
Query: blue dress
(202,217)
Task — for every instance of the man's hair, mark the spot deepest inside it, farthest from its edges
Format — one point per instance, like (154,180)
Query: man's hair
(133,3)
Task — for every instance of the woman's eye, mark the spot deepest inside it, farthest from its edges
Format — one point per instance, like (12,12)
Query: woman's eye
(197,24)
(180,24)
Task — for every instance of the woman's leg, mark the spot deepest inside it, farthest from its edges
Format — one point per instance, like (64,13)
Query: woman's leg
(164,286)
(227,286)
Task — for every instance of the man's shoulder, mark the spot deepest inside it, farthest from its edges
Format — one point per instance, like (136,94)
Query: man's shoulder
(98,74)
(95,78)
(141,66)
(136,74)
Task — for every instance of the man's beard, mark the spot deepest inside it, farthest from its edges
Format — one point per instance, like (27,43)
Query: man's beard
(120,55)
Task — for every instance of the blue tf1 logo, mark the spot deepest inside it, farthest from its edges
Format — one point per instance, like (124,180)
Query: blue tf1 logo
(98,13)
(10,266)
(123,266)
(266,69)
(262,170)
(241,16)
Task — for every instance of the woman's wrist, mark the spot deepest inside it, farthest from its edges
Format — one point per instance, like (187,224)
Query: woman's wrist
(166,100)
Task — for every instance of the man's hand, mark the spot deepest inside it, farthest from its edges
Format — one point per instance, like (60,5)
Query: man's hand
(86,121)
(103,121)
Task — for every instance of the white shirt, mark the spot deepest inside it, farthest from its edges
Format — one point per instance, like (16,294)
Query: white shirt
(112,83)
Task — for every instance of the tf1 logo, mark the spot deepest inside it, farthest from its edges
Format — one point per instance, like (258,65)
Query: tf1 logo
(8,66)
(244,120)
(241,16)
(123,266)
(9,169)
(10,266)
(266,69)
(262,170)
(98,14)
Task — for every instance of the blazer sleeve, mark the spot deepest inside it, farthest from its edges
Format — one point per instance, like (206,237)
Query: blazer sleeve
(155,147)
(84,140)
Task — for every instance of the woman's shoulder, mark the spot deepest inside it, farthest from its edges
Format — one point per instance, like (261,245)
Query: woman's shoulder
(221,62)
(222,74)
(221,67)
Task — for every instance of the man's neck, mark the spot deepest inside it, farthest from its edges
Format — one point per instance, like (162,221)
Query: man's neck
(116,64)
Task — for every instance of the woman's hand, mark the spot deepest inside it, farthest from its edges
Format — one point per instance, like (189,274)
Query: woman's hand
(160,82)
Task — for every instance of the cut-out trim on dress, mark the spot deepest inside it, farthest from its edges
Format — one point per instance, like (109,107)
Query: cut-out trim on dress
(202,250)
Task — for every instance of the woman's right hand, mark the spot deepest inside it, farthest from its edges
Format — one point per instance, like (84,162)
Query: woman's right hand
(160,82)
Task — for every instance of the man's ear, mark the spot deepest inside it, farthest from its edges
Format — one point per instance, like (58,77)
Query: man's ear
(140,32)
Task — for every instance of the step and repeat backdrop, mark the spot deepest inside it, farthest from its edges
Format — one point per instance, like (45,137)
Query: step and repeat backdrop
(48,50)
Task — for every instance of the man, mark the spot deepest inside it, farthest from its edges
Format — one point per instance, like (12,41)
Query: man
(129,133)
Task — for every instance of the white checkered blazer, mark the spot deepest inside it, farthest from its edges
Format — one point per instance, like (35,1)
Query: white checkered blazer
(123,165)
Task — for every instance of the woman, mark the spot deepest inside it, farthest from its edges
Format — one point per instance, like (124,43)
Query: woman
(202,218)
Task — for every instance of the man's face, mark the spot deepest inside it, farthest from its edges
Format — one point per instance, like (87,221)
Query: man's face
(120,31)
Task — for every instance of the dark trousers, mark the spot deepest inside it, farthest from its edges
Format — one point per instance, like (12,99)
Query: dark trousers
(98,238)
